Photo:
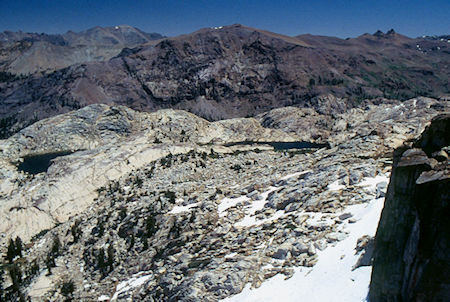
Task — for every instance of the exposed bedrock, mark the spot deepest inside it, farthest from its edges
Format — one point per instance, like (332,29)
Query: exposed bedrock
(411,258)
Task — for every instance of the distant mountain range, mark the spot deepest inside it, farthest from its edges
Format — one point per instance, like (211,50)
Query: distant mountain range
(25,53)
(216,73)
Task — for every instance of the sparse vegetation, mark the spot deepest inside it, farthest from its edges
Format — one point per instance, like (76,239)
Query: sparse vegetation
(53,254)
(67,289)
(76,231)
(8,77)
(170,196)
(1,283)
(236,167)
(14,249)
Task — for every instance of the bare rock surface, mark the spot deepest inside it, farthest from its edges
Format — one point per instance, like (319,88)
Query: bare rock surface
(411,259)
(110,142)
(160,207)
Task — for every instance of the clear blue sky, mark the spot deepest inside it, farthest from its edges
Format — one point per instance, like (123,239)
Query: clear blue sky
(342,18)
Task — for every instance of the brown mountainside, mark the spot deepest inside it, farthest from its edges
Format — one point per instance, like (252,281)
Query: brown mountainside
(235,71)
(26,53)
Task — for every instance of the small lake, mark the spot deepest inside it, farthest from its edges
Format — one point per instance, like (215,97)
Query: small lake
(282,145)
(35,164)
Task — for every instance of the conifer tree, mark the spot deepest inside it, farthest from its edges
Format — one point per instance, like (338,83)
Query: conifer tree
(18,246)
(1,284)
(101,262)
(110,261)
(11,253)
(16,277)
(56,246)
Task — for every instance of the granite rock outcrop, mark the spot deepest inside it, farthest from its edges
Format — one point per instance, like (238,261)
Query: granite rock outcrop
(168,206)
(411,259)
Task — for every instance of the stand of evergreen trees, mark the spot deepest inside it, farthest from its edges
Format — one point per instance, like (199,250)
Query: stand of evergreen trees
(12,293)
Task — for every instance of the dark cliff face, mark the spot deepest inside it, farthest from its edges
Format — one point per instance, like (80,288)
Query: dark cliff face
(411,258)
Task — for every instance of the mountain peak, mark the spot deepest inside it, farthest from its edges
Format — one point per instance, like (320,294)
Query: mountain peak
(379,33)
(391,32)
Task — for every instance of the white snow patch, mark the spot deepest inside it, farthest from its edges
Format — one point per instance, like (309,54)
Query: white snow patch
(317,219)
(267,266)
(248,220)
(295,174)
(227,203)
(370,183)
(181,209)
(135,281)
(230,255)
(332,277)
(335,186)
(103,298)
(259,204)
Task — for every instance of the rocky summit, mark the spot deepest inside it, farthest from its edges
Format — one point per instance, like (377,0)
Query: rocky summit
(110,204)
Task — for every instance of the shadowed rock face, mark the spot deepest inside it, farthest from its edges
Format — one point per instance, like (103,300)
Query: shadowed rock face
(235,71)
(411,259)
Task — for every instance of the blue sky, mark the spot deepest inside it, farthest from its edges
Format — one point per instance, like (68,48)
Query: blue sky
(341,18)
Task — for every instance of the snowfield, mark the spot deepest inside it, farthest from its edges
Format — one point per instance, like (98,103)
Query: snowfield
(333,277)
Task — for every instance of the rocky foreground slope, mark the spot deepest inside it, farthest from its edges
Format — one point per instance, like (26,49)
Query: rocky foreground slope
(411,259)
(234,71)
(167,206)
(106,143)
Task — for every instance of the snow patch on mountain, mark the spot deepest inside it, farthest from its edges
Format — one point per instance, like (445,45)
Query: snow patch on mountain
(333,276)
(137,280)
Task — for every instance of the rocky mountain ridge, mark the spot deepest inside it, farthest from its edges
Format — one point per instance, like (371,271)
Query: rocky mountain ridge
(235,71)
(28,53)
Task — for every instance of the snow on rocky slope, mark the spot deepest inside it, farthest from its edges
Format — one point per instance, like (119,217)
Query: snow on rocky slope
(334,277)
(210,221)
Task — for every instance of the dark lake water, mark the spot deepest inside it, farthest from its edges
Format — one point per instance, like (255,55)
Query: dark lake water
(35,164)
(283,145)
